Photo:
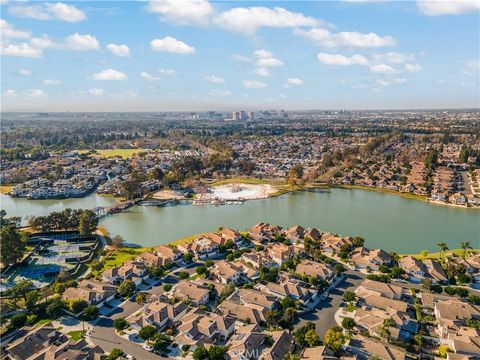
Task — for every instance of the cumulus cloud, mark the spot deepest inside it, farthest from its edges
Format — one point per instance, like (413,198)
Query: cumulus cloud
(161,72)
(25,72)
(10,93)
(325,38)
(183,12)
(79,42)
(96,92)
(253,84)
(218,92)
(109,74)
(248,20)
(264,72)
(338,59)
(266,59)
(413,67)
(382,69)
(23,49)
(119,50)
(447,7)
(171,45)
(48,11)
(51,82)
(214,79)
(147,76)
(36,93)
(7,30)
(166,72)
(383,82)
(293,82)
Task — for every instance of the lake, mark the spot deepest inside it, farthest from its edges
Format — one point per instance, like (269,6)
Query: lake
(384,220)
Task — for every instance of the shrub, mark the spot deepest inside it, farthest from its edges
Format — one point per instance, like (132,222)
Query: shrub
(167,287)
(127,288)
(91,312)
(18,320)
(349,296)
(120,324)
(147,332)
(115,354)
(348,323)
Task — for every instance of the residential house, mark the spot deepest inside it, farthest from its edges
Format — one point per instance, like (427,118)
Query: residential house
(364,258)
(92,291)
(257,260)
(367,347)
(202,247)
(282,345)
(245,343)
(334,244)
(193,292)
(130,270)
(225,272)
(159,314)
(294,233)
(280,253)
(152,259)
(168,252)
(383,289)
(315,269)
(294,289)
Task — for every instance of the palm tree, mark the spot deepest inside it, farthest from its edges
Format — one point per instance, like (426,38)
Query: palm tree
(443,247)
(465,246)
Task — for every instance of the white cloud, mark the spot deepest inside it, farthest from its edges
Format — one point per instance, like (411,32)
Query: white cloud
(383,82)
(44,43)
(7,30)
(382,69)
(96,92)
(338,59)
(253,84)
(293,82)
(264,72)
(214,79)
(218,92)
(25,72)
(241,58)
(183,12)
(109,74)
(248,20)
(171,45)
(23,49)
(413,67)
(48,11)
(36,93)
(266,59)
(394,57)
(51,82)
(400,81)
(119,50)
(148,76)
(79,42)
(10,93)
(325,38)
(447,7)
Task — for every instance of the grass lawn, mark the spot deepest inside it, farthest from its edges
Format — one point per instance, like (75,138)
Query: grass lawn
(76,335)
(107,153)
(117,258)
(436,255)
(187,239)
(5,189)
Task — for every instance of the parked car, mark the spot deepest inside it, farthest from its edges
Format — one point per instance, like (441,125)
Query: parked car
(148,347)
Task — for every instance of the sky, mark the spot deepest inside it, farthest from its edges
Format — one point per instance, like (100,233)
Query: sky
(187,55)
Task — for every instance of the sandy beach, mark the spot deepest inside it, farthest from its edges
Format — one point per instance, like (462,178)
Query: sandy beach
(233,192)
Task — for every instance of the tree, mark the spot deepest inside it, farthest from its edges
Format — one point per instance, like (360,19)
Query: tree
(463,293)
(200,270)
(443,247)
(21,289)
(301,332)
(127,288)
(188,257)
(141,298)
(18,320)
(312,338)
(167,287)
(396,272)
(77,305)
(217,353)
(272,317)
(209,263)
(289,317)
(88,222)
(465,247)
(91,312)
(156,272)
(147,332)
(31,299)
(358,241)
(54,309)
(120,324)
(443,350)
(348,323)
(118,242)
(12,245)
(349,296)
(334,338)
(182,275)
(475,299)
(200,353)
(115,354)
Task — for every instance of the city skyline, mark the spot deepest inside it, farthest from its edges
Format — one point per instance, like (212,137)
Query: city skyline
(167,56)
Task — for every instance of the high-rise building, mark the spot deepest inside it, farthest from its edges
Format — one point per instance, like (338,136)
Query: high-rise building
(243,115)
(251,115)
(235,115)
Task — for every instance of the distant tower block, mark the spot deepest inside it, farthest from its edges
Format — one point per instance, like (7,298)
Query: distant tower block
(251,115)
(243,115)
(235,115)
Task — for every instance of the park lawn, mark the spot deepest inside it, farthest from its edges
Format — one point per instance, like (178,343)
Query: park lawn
(436,255)
(108,153)
(117,258)
(77,335)
(5,189)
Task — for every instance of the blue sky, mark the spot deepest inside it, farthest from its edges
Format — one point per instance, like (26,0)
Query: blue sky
(199,55)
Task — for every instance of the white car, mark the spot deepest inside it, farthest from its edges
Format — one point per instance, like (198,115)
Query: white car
(130,357)
(148,347)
